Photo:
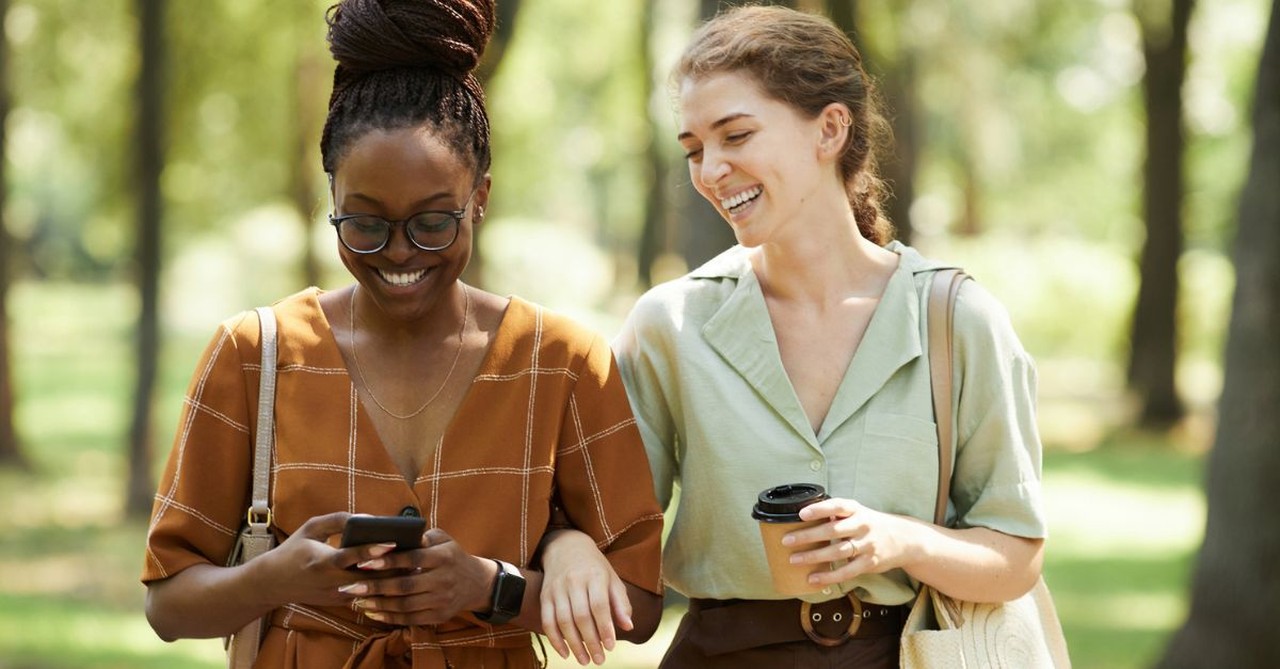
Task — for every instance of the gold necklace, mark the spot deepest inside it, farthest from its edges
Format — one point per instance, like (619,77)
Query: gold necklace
(369,389)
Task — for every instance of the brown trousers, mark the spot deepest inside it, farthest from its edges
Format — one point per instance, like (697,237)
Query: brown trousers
(744,635)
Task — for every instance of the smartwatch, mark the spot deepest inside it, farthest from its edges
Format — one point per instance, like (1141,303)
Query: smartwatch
(508,595)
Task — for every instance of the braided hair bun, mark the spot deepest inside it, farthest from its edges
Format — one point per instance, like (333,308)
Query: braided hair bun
(447,35)
(408,63)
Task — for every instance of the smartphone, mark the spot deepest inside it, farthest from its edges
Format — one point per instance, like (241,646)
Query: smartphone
(404,531)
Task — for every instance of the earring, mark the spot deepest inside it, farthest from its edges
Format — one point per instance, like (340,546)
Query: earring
(846,121)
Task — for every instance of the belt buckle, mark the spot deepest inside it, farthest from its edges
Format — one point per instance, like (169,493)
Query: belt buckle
(806,623)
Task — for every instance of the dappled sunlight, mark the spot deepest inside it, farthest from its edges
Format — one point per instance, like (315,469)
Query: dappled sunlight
(1092,516)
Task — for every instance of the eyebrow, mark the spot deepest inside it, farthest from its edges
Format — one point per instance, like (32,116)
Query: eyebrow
(727,119)
(424,202)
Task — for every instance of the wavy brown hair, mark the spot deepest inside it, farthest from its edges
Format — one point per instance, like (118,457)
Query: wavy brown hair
(807,62)
(404,64)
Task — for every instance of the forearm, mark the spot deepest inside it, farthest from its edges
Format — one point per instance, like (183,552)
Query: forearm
(646,613)
(205,601)
(975,564)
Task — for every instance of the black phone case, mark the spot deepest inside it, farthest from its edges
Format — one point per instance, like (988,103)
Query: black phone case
(405,531)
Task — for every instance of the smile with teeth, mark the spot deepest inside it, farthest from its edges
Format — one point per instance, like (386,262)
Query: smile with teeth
(740,201)
(402,278)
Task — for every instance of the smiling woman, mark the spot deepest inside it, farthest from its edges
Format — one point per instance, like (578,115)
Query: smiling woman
(407,393)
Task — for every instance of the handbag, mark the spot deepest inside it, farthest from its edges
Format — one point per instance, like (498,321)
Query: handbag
(943,632)
(255,535)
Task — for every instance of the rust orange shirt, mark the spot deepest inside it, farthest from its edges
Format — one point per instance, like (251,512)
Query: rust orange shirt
(547,410)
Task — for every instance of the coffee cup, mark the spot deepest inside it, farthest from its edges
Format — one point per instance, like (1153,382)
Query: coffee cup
(778,511)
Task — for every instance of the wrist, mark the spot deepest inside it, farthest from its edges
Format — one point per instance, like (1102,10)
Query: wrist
(482,599)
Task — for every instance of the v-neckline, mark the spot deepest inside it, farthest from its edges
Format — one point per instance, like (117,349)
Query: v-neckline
(363,417)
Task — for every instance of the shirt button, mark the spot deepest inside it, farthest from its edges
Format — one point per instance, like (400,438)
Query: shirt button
(409,512)
(827,590)
(815,465)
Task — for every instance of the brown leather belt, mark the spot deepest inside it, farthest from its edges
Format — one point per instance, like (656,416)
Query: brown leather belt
(770,621)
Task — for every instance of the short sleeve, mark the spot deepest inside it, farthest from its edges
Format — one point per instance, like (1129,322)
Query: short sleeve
(602,474)
(644,359)
(996,483)
(204,490)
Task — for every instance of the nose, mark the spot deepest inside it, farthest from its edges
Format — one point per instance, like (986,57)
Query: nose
(713,168)
(399,249)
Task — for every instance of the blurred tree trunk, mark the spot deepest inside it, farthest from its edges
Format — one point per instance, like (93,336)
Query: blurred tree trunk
(1235,595)
(653,237)
(10,449)
(899,168)
(149,139)
(507,11)
(1154,337)
(308,122)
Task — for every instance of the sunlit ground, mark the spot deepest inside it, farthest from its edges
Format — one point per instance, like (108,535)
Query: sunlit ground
(1125,510)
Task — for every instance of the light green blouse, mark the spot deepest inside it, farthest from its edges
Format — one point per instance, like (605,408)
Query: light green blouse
(721,422)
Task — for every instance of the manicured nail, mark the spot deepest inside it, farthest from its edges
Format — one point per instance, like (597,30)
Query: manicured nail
(354,589)
(376,563)
(380,617)
(788,540)
(381,549)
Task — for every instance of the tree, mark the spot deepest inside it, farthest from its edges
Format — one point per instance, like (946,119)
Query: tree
(1153,342)
(1235,597)
(149,138)
(10,451)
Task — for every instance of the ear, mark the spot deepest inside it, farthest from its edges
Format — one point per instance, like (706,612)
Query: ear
(835,125)
(481,200)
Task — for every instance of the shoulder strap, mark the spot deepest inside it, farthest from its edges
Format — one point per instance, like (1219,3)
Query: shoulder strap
(942,304)
(260,511)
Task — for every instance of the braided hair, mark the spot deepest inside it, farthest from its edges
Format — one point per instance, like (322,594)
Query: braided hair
(405,64)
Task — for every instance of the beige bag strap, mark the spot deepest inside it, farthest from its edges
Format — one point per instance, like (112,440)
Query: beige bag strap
(941,310)
(260,510)
(242,648)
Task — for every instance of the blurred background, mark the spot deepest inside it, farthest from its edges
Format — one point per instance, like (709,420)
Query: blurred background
(1083,159)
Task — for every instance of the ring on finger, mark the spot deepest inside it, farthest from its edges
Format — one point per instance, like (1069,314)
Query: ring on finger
(849,547)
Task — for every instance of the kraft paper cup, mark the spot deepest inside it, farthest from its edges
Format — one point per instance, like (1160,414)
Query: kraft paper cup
(778,512)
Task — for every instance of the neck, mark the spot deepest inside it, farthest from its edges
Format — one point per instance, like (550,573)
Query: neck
(826,263)
(440,322)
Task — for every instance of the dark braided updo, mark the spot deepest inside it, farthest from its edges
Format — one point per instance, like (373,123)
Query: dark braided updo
(404,64)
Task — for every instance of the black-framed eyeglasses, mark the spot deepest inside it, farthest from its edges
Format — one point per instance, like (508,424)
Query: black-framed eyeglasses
(431,230)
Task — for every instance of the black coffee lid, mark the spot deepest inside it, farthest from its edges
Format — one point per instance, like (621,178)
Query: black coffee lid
(782,504)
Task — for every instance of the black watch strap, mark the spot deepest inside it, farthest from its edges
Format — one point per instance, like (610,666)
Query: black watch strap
(508,595)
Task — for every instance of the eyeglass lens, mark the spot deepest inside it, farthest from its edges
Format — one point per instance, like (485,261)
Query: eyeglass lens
(429,230)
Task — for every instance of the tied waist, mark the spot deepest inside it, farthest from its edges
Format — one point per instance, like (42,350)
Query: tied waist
(385,647)
(729,625)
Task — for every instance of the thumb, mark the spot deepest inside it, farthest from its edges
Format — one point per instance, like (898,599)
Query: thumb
(621,603)
(321,528)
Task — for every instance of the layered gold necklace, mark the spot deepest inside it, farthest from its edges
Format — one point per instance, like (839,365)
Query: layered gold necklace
(355,356)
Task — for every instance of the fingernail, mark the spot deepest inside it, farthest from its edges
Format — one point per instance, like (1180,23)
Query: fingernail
(382,618)
(376,563)
(795,559)
(354,589)
(381,549)
(788,540)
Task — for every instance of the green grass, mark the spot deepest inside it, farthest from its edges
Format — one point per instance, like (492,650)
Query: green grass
(1126,517)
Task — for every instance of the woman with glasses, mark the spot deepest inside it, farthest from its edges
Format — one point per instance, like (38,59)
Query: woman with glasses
(407,393)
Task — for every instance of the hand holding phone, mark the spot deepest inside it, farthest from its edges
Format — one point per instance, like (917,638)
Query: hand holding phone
(404,531)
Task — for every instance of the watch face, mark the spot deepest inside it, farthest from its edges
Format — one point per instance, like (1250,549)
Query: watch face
(508,595)
(508,592)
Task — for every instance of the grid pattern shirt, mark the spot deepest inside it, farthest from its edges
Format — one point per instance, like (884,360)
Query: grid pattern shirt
(547,411)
